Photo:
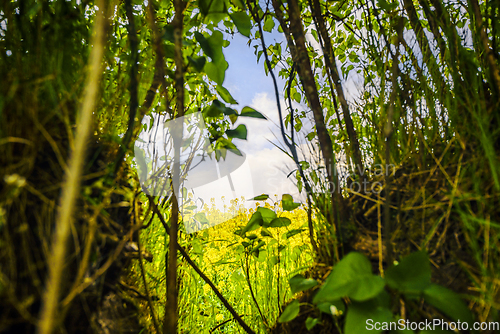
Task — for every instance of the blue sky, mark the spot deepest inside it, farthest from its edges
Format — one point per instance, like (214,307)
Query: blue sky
(247,82)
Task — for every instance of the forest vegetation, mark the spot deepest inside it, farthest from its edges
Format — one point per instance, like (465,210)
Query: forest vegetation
(412,233)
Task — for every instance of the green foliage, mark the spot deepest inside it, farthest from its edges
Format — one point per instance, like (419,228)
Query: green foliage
(242,22)
(447,302)
(290,312)
(250,112)
(299,283)
(226,96)
(262,197)
(443,94)
(411,275)
(311,322)
(352,277)
(240,132)
(288,203)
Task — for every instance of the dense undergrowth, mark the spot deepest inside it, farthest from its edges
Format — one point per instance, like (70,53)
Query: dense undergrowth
(411,234)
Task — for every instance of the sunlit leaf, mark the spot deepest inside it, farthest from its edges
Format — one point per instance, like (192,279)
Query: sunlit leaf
(242,22)
(262,197)
(240,132)
(268,23)
(226,96)
(251,112)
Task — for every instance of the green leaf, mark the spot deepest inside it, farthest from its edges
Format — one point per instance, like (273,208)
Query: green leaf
(215,72)
(280,222)
(265,232)
(211,6)
(262,197)
(311,322)
(240,4)
(240,132)
(268,23)
(291,312)
(448,302)
(297,97)
(229,111)
(267,215)
(226,96)
(251,112)
(361,317)
(212,47)
(261,244)
(204,44)
(411,275)
(253,224)
(168,35)
(299,283)
(287,203)
(386,5)
(216,42)
(215,110)
(237,276)
(326,307)
(224,144)
(169,51)
(293,232)
(198,63)
(352,277)
(242,22)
